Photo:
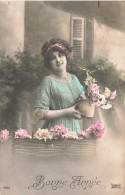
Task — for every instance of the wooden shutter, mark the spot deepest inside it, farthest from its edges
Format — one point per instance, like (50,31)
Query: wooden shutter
(81,37)
(88,39)
(77,38)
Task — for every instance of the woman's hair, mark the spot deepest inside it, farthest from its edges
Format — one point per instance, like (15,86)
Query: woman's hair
(54,45)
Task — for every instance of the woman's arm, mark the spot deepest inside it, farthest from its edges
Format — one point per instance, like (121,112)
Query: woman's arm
(42,114)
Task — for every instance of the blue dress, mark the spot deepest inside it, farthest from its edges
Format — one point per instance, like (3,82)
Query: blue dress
(52,94)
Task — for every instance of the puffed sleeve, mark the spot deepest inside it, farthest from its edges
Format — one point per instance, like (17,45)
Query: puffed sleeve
(80,86)
(42,96)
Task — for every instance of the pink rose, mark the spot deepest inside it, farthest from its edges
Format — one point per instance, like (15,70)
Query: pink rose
(59,132)
(4,134)
(98,130)
(62,46)
(64,128)
(99,125)
(113,94)
(90,129)
(93,89)
(22,133)
(82,134)
(101,134)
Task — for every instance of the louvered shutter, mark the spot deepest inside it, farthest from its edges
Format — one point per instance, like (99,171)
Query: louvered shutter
(88,39)
(81,37)
(77,26)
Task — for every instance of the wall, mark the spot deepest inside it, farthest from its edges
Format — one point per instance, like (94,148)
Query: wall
(11,25)
(43,23)
(109,43)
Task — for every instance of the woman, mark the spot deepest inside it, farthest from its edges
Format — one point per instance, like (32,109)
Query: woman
(57,95)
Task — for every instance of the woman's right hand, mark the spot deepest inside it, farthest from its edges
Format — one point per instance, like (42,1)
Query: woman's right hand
(72,112)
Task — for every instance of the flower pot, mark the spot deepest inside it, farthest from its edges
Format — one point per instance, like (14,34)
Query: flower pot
(86,108)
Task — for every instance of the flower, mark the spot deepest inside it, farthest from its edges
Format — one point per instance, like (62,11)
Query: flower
(42,134)
(107,92)
(64,128)
(92,92)
(101,133)
(99,125)
(72,135)
(90,129)
(101,99)
(96,104)
(96,130)
(59,132)
(106,106)
(113,94)
(4,134)
(82,134)
(93,89)
(22,133)
(60,45)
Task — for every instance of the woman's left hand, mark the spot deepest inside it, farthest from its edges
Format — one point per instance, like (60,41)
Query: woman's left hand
(80,116)
(74,113)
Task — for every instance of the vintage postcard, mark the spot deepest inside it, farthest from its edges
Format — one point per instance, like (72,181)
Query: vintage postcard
(65,156)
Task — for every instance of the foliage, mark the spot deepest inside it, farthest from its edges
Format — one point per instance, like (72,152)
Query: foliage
(20,72)
(105,72)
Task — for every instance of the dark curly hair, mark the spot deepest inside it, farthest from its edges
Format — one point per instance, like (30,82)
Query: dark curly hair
(47,53)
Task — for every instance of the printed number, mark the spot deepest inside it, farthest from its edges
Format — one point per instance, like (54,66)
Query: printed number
(7,187)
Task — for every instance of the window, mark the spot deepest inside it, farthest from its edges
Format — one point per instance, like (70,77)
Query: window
(81,37)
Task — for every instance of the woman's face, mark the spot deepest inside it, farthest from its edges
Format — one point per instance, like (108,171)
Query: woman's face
(58,61)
